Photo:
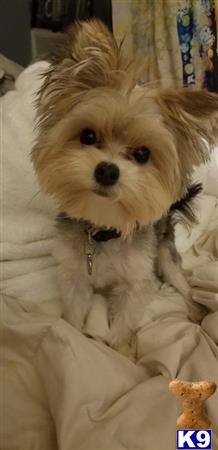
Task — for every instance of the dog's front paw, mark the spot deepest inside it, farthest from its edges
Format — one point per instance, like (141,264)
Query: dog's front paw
(116,338)
(75,318)
(196,312)
(130,349)
(123,342)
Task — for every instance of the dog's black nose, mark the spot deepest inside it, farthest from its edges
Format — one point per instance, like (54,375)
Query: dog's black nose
(106,173)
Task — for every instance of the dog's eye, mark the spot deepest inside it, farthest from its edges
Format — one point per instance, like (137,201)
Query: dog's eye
(88,137)
(141,154)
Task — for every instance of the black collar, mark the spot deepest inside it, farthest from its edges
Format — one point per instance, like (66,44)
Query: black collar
(104,234)
(98,234)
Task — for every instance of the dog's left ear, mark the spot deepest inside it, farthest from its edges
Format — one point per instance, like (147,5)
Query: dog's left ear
(192,117)
(89,59)
(96,58)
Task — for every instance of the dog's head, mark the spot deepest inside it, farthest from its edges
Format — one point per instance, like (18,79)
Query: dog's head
(111,152)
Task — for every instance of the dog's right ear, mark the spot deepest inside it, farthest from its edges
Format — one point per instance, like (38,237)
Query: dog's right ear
(192,117)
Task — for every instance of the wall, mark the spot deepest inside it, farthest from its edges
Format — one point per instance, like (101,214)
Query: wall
(15,30)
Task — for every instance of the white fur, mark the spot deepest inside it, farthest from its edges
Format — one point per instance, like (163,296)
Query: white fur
(123,273)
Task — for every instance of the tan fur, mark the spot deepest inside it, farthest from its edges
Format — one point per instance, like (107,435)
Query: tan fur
(91,85)
(192,116)
(143,192)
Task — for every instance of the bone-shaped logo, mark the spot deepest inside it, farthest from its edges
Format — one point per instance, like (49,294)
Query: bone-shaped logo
(193,396)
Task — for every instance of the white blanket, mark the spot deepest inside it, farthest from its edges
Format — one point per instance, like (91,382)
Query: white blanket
(58,388)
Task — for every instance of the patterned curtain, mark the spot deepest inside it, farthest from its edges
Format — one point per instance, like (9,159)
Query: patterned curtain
(175,39)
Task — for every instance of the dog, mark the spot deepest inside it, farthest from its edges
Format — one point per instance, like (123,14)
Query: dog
(116,156)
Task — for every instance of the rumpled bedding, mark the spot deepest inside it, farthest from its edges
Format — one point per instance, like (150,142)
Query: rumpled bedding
(60,389)
(9,71)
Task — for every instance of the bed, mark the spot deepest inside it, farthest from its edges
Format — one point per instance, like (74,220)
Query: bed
(60,389)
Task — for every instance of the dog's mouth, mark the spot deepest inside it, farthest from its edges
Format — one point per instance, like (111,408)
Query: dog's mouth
(109,193)
(101,192)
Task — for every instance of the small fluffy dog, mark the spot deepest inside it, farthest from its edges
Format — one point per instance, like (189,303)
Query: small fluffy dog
(116,157)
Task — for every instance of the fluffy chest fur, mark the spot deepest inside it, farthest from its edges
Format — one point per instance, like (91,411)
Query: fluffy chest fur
(118,262)
(114,262)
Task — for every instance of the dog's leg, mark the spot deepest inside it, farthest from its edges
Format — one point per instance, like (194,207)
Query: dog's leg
(75,288)
(77,300)
(127,308)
